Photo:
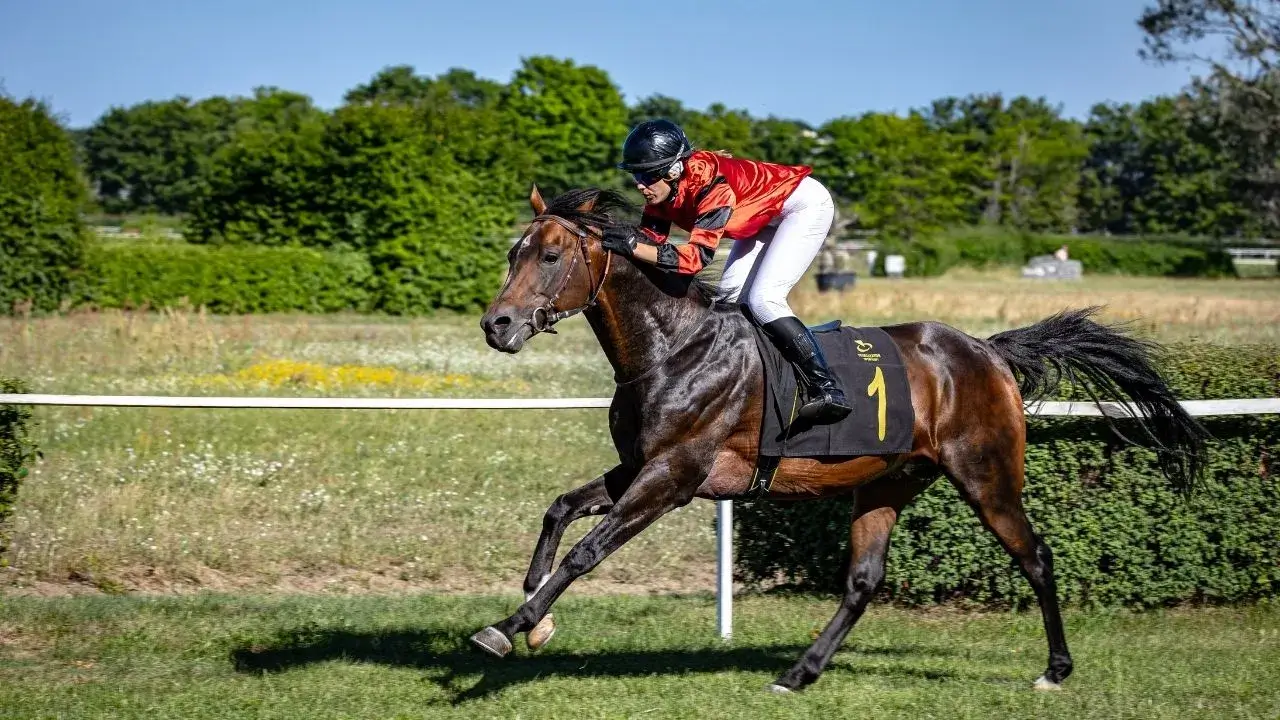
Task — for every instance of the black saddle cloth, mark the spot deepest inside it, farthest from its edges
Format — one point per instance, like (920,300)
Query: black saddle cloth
(870,369)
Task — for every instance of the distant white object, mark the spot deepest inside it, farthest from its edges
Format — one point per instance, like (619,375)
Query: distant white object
(1048,267)
(894,265)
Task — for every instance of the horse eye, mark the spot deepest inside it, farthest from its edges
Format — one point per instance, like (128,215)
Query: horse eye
(551,258)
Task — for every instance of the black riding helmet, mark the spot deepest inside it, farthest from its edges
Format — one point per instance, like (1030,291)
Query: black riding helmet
(653,147)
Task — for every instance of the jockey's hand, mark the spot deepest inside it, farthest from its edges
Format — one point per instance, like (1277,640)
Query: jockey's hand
(620,239)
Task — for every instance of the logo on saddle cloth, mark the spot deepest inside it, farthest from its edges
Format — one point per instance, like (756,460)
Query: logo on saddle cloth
(864,351)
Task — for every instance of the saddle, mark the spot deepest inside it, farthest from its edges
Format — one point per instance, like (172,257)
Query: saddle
(870,368)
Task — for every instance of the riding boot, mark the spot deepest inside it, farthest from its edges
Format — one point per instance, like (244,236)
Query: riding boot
(823,398)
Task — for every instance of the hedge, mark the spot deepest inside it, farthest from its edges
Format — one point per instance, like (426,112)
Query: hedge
(224,279)
(990,247)
(17,452)
(1121,536)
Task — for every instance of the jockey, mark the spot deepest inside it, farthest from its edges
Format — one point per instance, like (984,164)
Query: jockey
(777,215)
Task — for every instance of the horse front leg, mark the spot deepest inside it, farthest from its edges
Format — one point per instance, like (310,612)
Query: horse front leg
(594,498)
(654,493)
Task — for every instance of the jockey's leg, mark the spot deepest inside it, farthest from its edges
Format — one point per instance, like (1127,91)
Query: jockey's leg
(805,222)
(739,268)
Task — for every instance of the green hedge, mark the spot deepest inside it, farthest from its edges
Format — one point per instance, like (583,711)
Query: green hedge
(225,279)
(1120,535)
(990,247)
(17,452)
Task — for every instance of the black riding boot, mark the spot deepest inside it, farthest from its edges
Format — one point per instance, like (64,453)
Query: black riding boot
(823,398)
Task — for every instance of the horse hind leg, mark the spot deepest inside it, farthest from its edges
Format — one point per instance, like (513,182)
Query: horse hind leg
(990,479)
(875,512)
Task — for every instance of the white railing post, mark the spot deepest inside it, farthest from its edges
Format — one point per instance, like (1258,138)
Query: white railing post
(724,567)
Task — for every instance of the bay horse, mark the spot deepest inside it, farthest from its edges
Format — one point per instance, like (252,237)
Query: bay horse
(685,419)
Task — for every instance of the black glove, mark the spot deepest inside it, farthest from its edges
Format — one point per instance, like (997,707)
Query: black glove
(620,239)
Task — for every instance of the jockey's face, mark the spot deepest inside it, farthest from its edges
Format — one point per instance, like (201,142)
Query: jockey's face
(656,192)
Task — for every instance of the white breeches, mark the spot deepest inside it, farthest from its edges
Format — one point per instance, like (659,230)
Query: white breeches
(762,269)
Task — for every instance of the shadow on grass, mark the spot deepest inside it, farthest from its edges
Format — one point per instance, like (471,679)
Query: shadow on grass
(445,655)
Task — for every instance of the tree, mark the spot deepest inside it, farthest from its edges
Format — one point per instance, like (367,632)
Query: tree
(264,184)
(433,228)
(1161,167)
(572,117)
(720,128)
(42,193)
(400,84)
(1029,173)
(656,107)
(902,178)
(1243,37)
(789,142)
(150,156)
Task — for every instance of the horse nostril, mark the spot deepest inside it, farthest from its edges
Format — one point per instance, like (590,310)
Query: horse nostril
(500,323)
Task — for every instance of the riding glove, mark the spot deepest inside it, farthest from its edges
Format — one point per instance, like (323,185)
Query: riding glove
(620,239)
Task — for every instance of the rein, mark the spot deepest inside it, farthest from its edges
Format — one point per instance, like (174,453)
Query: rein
(546,316)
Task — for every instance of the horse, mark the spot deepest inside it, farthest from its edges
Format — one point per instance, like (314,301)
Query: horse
(686,412)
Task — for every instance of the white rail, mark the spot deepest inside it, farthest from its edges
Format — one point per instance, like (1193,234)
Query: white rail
(1199,408)
(724,508)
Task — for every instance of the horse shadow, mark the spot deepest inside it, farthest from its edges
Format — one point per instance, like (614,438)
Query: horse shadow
(444,655)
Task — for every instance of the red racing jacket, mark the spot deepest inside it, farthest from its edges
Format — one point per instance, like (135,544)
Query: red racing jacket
(718,196)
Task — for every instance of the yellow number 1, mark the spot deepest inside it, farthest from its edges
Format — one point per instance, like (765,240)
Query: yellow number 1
(877,388)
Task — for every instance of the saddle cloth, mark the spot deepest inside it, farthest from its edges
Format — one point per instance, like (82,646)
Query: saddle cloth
(870,369)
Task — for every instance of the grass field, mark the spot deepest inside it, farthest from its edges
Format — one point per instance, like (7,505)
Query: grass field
(223,564)
(217,656)
(168,500)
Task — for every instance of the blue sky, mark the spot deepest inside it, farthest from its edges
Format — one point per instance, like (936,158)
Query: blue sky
(806,60)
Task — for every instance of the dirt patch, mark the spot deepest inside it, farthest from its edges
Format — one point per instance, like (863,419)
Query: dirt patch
(332,581)
(16,644)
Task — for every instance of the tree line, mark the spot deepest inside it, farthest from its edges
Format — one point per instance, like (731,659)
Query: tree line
(424,176)
(1168,165)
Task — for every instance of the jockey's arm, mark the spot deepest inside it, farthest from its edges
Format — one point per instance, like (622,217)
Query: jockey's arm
(714,209)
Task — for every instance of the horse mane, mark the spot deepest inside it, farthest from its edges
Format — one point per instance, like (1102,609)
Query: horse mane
(612,209)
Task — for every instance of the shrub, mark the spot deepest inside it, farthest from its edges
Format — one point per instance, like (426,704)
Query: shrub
(17,452)
(1120,535)
(376,179)
(41,195)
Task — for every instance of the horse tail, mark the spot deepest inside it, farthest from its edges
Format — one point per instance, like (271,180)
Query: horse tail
(1109,365)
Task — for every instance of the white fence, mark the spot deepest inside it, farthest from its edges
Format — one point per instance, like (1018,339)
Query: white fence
(724,508)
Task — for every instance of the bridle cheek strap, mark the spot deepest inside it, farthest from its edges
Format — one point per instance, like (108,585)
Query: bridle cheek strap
(546,315)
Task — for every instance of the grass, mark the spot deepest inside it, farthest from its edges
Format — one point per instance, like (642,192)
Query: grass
(218,656)
(166,500)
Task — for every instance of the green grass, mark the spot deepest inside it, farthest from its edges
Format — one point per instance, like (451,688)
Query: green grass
(213,656)
(166,500)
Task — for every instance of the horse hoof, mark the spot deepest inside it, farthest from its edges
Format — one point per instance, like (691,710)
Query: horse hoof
(1044,683)
(492,642)
(541,633)
(777,689)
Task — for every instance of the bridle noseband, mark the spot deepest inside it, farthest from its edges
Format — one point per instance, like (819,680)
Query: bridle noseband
(545,316)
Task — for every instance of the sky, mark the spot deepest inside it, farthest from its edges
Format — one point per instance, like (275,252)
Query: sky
(812,61)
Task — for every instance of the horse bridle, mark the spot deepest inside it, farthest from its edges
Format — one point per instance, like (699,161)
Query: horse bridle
(545,316)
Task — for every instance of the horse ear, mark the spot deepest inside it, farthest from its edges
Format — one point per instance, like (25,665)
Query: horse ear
(589,205)
(535,200)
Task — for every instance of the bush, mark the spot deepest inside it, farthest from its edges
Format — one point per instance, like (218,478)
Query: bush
(1120,535)
(228,279)
(375,179)
(41,195)
(16,452)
